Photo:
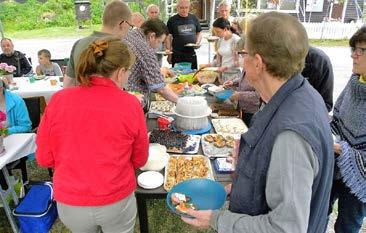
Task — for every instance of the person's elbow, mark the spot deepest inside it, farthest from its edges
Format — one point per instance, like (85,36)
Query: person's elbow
(140,156)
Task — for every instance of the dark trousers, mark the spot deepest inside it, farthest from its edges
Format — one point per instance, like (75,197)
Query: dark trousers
(351,211)
(3,183)
(183,57)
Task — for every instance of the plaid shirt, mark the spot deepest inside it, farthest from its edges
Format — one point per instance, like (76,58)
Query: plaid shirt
(145,74)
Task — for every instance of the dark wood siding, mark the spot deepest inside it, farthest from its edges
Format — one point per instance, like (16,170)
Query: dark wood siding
(351,11)
(314,16)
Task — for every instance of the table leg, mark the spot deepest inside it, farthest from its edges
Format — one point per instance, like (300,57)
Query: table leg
(4,194)
(142,211)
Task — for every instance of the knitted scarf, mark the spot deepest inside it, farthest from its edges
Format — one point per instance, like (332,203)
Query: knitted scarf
(349,122)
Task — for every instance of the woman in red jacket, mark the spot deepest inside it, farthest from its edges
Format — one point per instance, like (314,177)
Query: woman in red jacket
(95,137)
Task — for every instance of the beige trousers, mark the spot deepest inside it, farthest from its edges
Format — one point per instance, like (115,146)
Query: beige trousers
(118,217)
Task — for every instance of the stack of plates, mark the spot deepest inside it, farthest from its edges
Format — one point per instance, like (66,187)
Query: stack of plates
(150,180)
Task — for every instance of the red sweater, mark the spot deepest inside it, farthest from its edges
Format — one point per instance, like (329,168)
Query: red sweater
(95,138)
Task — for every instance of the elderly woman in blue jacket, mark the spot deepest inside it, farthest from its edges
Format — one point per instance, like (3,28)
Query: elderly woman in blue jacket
(17,117)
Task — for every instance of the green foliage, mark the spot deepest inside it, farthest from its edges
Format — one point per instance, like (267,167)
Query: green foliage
(249,4)
(53,13)
(36,15)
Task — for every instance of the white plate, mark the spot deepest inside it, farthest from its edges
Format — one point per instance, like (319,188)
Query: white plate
(212,38)
(164,53)
(193,45)
(214,89)
(211,69)
(150,180)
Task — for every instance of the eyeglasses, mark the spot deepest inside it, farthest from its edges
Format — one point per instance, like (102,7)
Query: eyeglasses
(242,53)
(358,51)
(129,24)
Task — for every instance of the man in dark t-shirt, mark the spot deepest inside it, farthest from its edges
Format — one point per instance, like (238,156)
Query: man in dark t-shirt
(184,28)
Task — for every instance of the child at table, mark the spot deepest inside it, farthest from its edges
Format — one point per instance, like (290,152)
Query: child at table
(46,67)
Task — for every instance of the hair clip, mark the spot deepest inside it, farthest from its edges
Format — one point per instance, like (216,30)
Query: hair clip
(99,46)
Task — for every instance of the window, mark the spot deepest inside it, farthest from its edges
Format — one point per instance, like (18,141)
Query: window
(282,5)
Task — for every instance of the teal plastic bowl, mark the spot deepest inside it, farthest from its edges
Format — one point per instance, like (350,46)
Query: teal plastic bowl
(224,95)
(183,65)
(206,194)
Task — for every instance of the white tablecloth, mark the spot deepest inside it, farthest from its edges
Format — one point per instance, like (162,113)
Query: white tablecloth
(37,88)
(17,146)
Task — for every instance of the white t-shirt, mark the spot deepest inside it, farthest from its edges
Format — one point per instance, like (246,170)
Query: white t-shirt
(226,50)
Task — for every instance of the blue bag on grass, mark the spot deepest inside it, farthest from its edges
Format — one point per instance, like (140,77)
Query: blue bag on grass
(37,211)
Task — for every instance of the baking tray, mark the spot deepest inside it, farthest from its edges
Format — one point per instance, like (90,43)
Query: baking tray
(156,108)
(192,147)
(229,125)
(210,174)
(212,151)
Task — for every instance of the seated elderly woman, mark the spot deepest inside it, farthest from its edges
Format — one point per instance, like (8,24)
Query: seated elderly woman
(349,185)
(95,137)
(14,116)
(285,163)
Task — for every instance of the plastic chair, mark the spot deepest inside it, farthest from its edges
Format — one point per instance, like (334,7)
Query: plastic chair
(62,63)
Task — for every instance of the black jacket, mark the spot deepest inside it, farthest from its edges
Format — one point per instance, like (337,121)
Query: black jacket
(319,72)
(18,60)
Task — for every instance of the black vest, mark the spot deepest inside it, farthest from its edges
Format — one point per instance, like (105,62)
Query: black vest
(298,107)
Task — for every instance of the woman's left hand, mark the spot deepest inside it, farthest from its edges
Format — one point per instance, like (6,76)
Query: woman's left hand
(201,218)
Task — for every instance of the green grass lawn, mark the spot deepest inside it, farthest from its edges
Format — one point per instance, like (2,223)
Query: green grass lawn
(55,32)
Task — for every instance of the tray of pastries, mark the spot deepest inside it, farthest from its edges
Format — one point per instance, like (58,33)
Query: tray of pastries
(229,125)
(185,167)
(218,145)
(176,142)
(160,108)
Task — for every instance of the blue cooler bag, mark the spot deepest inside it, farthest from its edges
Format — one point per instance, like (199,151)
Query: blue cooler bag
(37,211)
